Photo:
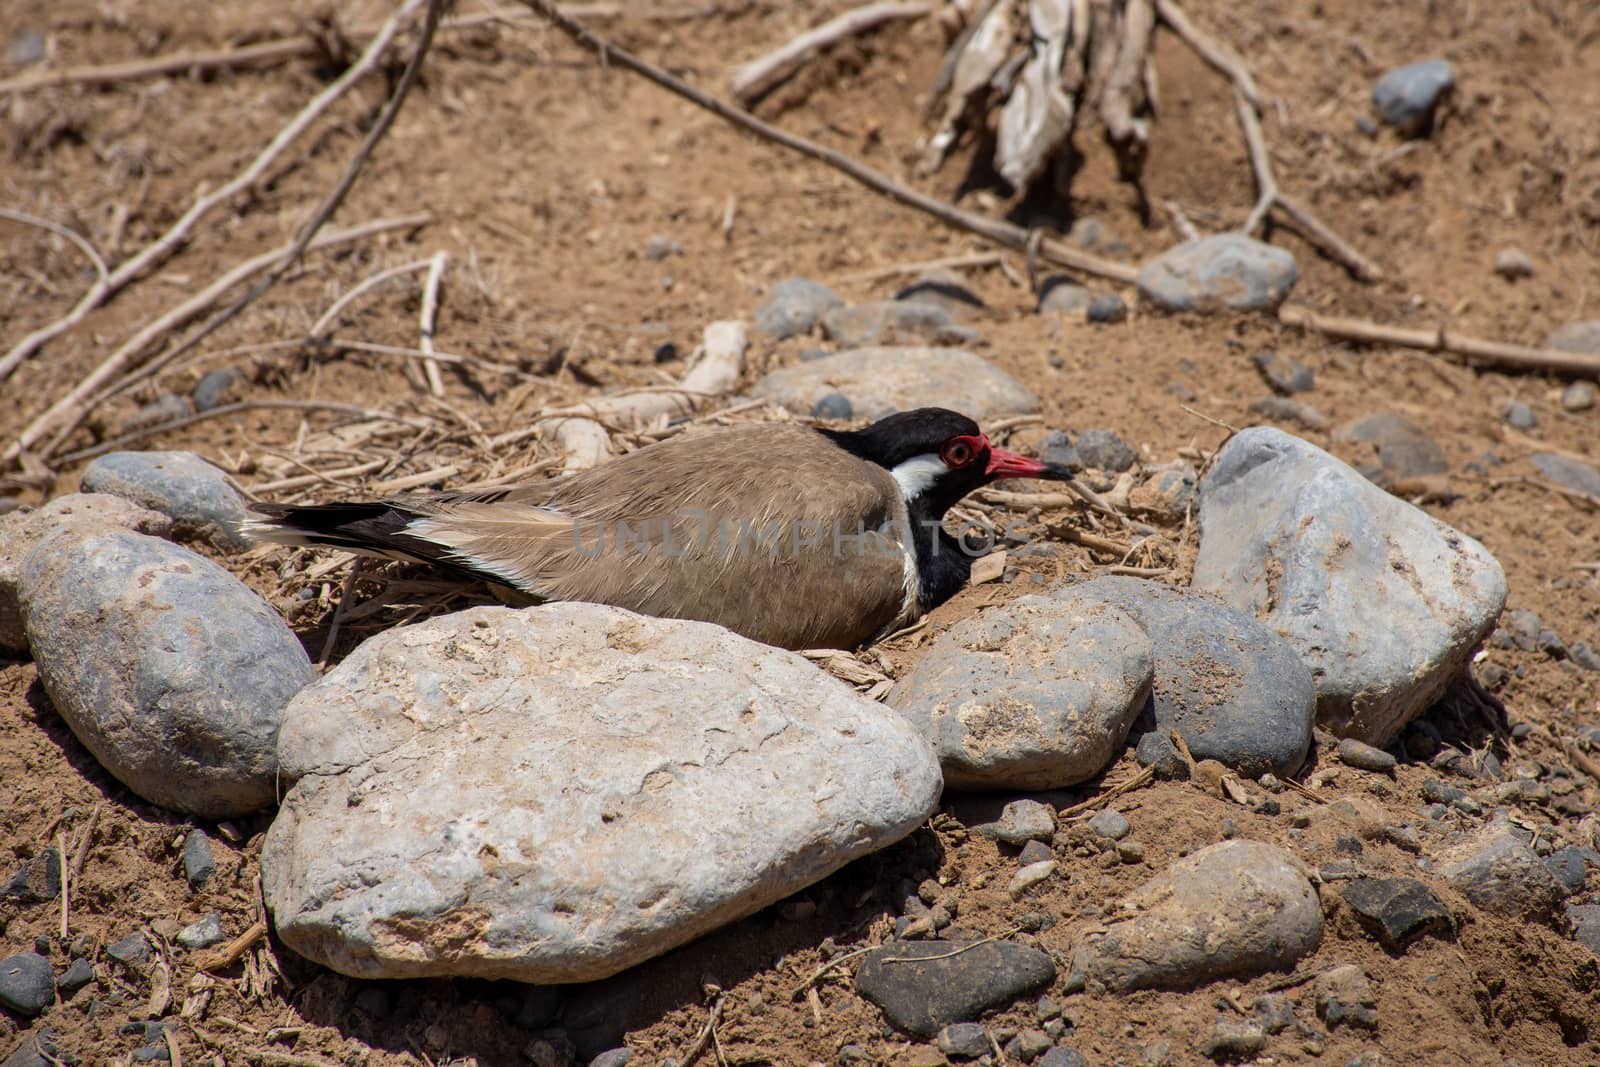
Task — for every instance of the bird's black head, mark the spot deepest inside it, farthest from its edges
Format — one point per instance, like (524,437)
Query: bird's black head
(938,456)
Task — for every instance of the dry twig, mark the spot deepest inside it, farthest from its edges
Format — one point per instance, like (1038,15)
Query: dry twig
(231,953)
(1473,349)
(1004,233)
(68,412)
(755,79)
(429,319)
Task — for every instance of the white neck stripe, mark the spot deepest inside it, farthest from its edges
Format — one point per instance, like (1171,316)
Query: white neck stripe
(916,474)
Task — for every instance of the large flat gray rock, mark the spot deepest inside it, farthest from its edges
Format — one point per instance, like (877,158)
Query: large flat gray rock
(555,794)
(881,381)
(167,668)
(1383,602)
(1035,694)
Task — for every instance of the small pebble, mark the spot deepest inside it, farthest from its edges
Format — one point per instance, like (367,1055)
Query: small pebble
(202,934)
(833,407)
(1234,1039)
(1062,296)
(963,1041)
(1025,820)
(659,247)
(1513,263)
(1408,97)
(1106,308)
(76,976)
(1062,1057)
(1282,373)
(1578,396)
(1584,655)
(1057,449)
(1345,998)
(216,388)
(615,1057)
(198,862)
(1111,824)
(1030,876)
(1034,852)
(1520,415)
(132,951)
(1365,757)
(1105,450)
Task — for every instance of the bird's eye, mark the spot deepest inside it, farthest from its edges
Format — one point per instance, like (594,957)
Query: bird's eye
(958,453)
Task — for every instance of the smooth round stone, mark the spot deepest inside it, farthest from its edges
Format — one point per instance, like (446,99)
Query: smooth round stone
(1233,689)
(194,493)
(1225,270)
(1036,694)
(170,670)
(794,306)
(1384,603)
(1365,757)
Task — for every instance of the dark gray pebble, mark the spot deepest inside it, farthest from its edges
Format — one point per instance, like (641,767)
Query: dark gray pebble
(27,984)
(1398,910)
(1284,374)
(963,1041)
(198,862)
(834,407)
(1106,308)
(921,997)
(76,976)
(216,388)
(1105,450)
(1062,1057)
(1408,97)
(37,880)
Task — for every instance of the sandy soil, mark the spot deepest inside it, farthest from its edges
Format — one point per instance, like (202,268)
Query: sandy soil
(546,176)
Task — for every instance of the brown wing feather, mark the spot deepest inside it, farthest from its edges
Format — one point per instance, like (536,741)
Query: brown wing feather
(736,527)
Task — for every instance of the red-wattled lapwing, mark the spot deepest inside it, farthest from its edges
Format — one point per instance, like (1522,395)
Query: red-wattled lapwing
(796,536)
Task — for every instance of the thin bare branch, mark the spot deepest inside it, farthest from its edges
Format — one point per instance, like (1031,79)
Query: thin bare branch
(68,412)
(760,76)
(1012,236)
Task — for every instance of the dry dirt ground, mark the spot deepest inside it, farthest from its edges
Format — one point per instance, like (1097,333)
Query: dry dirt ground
(546,175)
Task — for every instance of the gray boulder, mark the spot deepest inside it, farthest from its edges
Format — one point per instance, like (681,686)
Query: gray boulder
(881,381)
(1233,689)
(1231,910)
(1225,270)
(21,530)
(167,668)
(556,794)
(1038,693)
(180,484)
(1382,601)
